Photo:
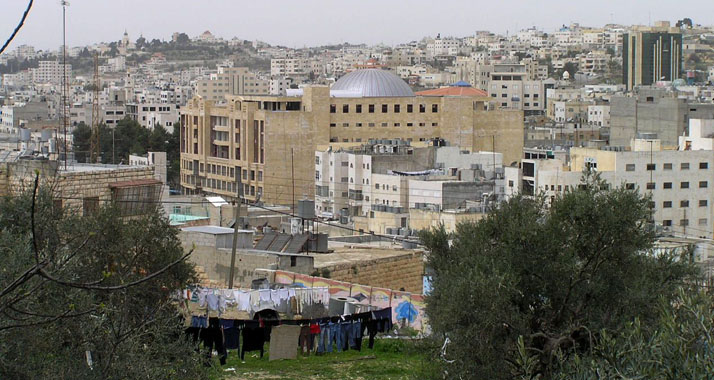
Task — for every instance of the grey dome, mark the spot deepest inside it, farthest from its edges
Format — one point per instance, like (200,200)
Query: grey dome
(372,83)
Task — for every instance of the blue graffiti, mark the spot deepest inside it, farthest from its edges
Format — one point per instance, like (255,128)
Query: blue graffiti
(407,311)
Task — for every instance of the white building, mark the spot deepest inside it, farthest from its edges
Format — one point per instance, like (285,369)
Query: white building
(700,137)
(51,72)
(678,181)
(352,183)
(598,115)
(278,86)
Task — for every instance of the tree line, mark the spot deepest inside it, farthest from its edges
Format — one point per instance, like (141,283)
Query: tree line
(129,137)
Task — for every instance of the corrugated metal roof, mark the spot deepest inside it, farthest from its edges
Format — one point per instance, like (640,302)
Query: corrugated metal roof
(373,83)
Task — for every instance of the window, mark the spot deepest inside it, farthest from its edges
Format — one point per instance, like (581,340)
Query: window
(630,167)
(359,124)
(422,108)
(684,185)
(684,222)
(90,206)
(385,124)
(333,125)
(345,108)
(703,184)
(376,186)
(683,204)
(371,124)
(410,124)
(385,108)
(397,124)
(667,204)
(358,108)
(371,108)
(410,108)
(333,108)
(630,186)
(684,166)
(667,223)
(651,167)
(703,203)
(650,185)
(668,166)
(396,108)
(667,185)
(703,221)
(703,165)
(345,124)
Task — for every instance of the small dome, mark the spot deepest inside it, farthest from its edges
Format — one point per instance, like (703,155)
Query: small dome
(374,83)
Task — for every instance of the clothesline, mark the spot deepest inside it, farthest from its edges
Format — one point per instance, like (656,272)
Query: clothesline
(317,335)
(251,301)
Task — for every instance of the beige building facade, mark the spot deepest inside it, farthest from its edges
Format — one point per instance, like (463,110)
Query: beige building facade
(265,146)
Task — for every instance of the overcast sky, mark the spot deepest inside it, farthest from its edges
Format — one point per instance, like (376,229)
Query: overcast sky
(316,22)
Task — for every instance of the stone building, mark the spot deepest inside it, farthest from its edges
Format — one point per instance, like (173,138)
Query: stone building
(265,146)
(84,187)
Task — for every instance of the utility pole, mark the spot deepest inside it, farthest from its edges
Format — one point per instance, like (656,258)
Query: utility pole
(236,215)
(292,174)
(493,146)
(94,154)
(65,85)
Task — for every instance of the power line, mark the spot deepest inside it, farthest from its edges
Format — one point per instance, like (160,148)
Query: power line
(18,27)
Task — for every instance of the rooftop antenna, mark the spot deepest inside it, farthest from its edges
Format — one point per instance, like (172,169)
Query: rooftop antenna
(65,85)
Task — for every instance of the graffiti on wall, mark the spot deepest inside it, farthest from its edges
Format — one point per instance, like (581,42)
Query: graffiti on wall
(407,308)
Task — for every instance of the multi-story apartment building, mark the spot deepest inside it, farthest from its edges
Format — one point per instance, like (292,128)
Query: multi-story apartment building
(652,54)
(511,90)
(261,143)
(653,111)
(232,81)
(150,115)
(599,115)
(678,181)
(290,67)
(51,72)
(395,174)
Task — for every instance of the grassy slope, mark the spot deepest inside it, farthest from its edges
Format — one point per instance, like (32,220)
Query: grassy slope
(390,359)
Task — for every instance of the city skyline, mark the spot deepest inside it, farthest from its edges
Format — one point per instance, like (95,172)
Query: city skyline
(296,26)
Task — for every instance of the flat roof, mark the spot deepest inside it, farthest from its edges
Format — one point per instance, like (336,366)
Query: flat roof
(348,253)
(213,230)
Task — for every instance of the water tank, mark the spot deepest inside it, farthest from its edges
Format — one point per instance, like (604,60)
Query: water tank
(306,208)
(24,134)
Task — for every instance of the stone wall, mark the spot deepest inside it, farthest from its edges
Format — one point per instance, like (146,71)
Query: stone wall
(396,272)
(73,185)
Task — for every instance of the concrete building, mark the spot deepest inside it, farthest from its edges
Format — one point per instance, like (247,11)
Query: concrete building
(510,88)
(678,181)
(700,136)
(232,81)
(599,115)
(393,173)
(248,142)
(282,67)
(51,72)
(651,55)
(279,86)
(653,111)
(15,116)
(151,114)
